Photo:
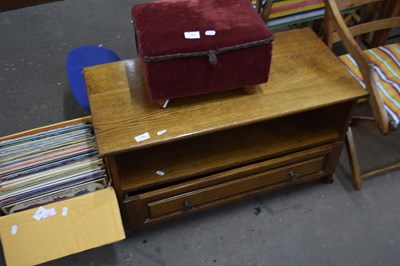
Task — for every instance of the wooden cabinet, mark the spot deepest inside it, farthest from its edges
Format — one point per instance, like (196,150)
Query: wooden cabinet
(226,146)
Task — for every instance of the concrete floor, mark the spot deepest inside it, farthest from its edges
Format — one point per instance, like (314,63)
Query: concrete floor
(314,224)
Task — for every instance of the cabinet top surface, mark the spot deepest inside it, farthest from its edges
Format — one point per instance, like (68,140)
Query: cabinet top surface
(305,75)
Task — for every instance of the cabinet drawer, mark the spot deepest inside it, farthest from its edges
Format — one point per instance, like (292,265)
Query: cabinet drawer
(166,203)
(186,201)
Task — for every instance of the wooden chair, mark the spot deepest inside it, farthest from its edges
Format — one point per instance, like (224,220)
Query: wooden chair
(379,77)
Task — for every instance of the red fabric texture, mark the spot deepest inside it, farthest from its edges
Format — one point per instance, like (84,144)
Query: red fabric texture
(160,28)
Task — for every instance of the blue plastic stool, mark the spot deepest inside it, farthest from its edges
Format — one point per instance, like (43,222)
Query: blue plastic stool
(81,57)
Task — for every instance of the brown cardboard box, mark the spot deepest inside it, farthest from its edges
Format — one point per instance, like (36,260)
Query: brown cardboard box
(92,220)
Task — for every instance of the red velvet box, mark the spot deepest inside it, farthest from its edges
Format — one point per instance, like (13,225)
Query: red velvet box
(190,47)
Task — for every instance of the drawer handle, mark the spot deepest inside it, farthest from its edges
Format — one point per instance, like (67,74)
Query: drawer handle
(186,205)
(293,175)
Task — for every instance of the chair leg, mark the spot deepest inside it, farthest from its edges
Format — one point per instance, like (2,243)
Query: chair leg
(353,160)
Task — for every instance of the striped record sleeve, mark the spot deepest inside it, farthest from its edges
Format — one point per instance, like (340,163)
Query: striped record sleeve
(289,12)
(386,60)
(295,11)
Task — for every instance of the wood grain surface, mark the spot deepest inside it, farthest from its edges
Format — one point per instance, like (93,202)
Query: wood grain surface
(305,75)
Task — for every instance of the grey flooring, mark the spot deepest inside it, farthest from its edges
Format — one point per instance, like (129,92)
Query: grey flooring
(314,224)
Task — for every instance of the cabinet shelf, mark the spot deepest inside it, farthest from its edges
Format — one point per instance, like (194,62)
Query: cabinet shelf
(215,152)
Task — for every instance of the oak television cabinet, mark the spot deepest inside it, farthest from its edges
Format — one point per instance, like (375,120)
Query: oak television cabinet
(209,150)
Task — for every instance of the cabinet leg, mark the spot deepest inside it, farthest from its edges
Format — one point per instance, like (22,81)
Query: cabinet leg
(329,179)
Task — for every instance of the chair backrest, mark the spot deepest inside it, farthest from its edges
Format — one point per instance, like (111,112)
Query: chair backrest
(332,14)
(335,30)
(263,7)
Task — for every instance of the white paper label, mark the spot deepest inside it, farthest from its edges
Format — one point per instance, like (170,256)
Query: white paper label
(161,173)
(161,132)
(142,137)
(49,213)
(192,34)
(210,32)
(39,213)
(64,211)
(14,229)
(165,104)
(44,213)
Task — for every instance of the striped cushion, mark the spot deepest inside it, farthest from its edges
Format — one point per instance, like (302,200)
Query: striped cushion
(386,61)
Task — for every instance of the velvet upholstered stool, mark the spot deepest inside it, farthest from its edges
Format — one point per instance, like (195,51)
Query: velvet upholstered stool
(189,47)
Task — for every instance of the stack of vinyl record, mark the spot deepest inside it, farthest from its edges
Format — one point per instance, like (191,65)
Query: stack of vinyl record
(49,166)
